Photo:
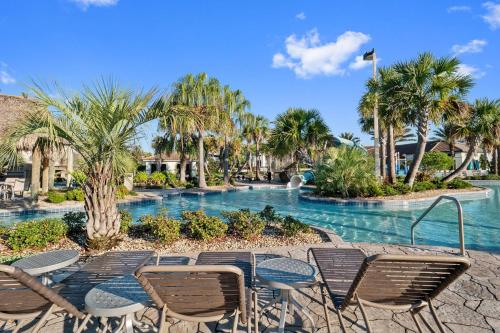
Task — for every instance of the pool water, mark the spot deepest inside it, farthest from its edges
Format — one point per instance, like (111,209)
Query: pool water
(353,223)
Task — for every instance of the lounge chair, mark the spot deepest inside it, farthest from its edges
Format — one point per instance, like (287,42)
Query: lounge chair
(196,293)
(23,298)
(385,281)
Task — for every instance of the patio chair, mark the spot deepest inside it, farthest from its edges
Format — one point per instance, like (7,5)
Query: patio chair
(386,281)
(23,298)
(196,293)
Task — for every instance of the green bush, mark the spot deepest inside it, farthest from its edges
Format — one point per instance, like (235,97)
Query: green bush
(36,234)
(3,230)
(346,172)
(141,177)
(75,221)
(171,179)
(424,186)
(374,189)
(292,227)
(245,224)
(435,161)
(458,184)
(75,194)
(157,178)
(164,229)
(401,187)
(79,177)
(203,227)
(56,197)
(389,190)
(125,221)
(121,192)
(270,215)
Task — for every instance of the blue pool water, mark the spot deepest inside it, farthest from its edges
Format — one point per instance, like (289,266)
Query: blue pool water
(352,223)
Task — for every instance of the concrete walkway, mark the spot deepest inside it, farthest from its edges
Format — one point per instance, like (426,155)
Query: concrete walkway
(472,304)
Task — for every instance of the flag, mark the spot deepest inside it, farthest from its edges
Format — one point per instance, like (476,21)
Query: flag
(369,55)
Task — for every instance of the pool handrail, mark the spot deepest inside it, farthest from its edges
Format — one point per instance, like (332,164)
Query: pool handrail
(460,220)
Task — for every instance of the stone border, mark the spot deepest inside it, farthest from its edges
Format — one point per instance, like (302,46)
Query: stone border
(395,204)
(480,182)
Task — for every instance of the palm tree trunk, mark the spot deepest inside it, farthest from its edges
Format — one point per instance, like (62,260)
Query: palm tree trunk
(496,160)
(422,132)
(35,172)
(257,160)
(452,152)
(383,155)
(45,174)
(52,170)
(468,158)
(100,203)
(392,157)
(182,167)
(225,162)
(201,161)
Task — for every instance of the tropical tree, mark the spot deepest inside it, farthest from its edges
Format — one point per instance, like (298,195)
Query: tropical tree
(450,133)
(257,128)
(482,124)
(99,124)
(299,132)
(429,88)
(350,136)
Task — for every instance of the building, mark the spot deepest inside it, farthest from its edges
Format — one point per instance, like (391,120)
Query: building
(170,163)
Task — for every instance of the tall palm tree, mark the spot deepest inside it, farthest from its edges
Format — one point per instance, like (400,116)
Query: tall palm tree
(299,132)
(257,128)
(430,87)
(99,124)
(404,134)
(350,136)
(482,124)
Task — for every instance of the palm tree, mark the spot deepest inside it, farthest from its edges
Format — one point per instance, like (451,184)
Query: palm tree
(449,133)
(404,134)
(99,124)
(429,88)
(482,124)
(201,96)
(257,128)
(299,132)
(350,136)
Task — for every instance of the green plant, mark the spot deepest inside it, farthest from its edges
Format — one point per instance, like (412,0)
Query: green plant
(141,177)
(292,227)
(75,194)
(245,224)
(401,187)
(389,190)
(269,214)
(75,222)
(56,197)
(121,192)
(157,178)
(203,227)
(424,186)
(164,229)
(36,234)
(374,189)
(345,172)
(79,177)
(125,221)
(435,161)
(458,184)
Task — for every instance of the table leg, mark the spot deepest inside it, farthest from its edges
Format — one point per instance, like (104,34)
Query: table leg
(271,303)
(303,310)
(129,323)
(284,305)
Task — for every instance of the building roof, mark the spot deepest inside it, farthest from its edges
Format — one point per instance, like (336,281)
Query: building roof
(170,157)
(12,109)
(441,146)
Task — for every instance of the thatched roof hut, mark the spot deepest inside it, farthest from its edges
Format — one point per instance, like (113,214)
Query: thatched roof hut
(13,109)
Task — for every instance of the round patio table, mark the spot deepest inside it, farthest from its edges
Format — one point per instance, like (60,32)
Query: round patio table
(120,297)
(45,263)
(287,275)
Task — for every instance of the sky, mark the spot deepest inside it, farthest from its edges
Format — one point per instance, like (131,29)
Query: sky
(280,53)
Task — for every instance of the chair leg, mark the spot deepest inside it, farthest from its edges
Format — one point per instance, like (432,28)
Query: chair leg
(435,316)
(325,308)
(414,317)
(341,320)
(20,324)
(365,316)
(163,321)
(255,312)
(83,325)
(235,321)
(44,318)
(249,323)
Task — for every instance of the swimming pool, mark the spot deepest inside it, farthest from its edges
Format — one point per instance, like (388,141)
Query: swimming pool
(352,223)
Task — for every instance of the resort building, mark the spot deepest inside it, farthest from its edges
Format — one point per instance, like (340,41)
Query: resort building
(170,163)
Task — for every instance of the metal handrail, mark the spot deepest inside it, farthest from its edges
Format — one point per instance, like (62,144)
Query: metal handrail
(460,220)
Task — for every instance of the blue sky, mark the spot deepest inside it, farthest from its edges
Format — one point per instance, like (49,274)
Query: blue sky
(279,53)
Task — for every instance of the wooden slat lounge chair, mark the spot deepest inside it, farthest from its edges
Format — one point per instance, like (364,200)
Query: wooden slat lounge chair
(23,298)
(199,293)
(385,281)
(244,261)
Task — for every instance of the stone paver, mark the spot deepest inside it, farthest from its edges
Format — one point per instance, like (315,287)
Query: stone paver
(472,304)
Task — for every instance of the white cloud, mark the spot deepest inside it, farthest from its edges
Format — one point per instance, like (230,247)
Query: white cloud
(98,3)
(474,46)
(300,16)
(471,70)
(5,75)
(493,15)
(359,63)
(308,57)
(458,9)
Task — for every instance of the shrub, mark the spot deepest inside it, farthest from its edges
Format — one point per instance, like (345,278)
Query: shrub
(402,188)
(79,177)
(121,192)
(125,221)
(374,189)
(244,224)
(164,229)
(389,190)
(458,184)
(75,194)
(141,177)
(157,178)
(434,161)
(203,227)
(292,227)
(270,215)
(56,197)
(345,172)
(171,179)
(424,186)
(75,221)
(36,234)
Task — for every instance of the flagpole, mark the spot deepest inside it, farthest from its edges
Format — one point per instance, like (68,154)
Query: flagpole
(371,55)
